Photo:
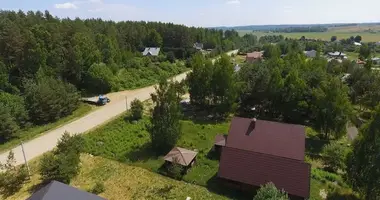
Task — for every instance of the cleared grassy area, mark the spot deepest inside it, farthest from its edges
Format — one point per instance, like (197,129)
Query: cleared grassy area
(367,37)
(122,182)
(36,131)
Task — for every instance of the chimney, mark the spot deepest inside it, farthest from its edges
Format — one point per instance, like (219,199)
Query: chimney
(251,127)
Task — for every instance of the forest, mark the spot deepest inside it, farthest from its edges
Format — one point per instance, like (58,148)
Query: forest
(47,63)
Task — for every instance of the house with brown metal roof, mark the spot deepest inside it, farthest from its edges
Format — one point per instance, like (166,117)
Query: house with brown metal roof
(254,56)
(181,156)
(257,152)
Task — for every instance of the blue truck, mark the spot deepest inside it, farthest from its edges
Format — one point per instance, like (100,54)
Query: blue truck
(100,100)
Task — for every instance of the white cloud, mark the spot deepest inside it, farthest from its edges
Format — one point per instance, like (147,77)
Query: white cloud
(67,5)
(233,2)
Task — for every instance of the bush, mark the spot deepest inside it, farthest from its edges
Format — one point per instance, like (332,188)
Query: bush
(175,171)
(334,155)
(63,163)
(137,109)
(270,192)
(98,188)
(99,78)
(11,178)
(49,99)
(8,125)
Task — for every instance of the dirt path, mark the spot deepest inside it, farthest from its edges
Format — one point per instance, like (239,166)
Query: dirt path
(118,105)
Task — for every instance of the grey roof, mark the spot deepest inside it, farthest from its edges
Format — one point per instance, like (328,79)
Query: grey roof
(237,68)
(58,191)
(336,53)
(198,46)
(152,51)
(375,59)
(311,54)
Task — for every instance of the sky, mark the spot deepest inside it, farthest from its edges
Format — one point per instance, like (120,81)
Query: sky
(210,13)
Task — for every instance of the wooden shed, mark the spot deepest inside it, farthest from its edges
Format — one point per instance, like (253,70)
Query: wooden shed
(220,141)
(181,156)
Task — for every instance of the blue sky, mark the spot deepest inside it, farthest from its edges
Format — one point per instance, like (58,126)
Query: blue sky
(210,12)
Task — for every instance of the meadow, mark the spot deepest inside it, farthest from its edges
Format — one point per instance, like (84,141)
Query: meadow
(340,33)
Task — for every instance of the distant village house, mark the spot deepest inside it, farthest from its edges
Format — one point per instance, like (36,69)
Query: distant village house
(311,54)
(254,56)
(337,55)
(198,46)
(151,51)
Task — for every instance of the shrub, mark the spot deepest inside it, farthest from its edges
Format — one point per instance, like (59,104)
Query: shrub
(8,125)
(11,178)
(175,171)
(98,188)
(63,163)
(99,78)
(270,192)
(137,109)
(334,155)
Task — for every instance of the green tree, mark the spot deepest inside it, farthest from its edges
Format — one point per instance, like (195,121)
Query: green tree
(99,79)
(16,106)
(364,52)
(165,127)
(363,162)
(8,125)
(332,108)
(63,163)
(154,39)
(270,192)
(137,109)
(358,38)
(271,51)
(12,177)
(334,155)
(333,38)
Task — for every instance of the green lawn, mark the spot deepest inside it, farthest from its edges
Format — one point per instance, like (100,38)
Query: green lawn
(33,132)
(129,143)
(367,37)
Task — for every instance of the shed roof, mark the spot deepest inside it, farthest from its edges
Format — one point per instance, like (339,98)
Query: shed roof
(58,191)
(274,138)
(337,53)
(153,51)
(182,156)
(255,55)
(220,140)
(255,168)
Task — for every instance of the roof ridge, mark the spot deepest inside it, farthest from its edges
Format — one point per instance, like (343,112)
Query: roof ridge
(180,152)
(47,187)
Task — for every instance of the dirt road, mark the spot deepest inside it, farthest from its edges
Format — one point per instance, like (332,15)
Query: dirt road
(118,105)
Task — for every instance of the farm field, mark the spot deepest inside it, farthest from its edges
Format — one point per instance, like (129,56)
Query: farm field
(128,143)
(122,182)
(367,37)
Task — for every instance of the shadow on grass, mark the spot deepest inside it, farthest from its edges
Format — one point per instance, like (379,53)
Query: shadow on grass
(142,153)
(213,155)
(202,117)
(218,186)
(315,146)
(34,188)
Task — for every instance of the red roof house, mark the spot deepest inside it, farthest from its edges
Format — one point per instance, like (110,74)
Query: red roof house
(254,56)
(257,152)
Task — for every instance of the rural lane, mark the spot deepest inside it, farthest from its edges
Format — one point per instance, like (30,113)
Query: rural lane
(119,103)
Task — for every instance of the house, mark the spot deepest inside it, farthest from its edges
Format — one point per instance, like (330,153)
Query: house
(310,54)
(337,54)
(357,44)
(58,191)
(254,56)
(151,51)
(257,152)
(378,43)
(198,46)
(360,62)
(376,61)
(345,77)
(237,67)
(181,156)
(220,142)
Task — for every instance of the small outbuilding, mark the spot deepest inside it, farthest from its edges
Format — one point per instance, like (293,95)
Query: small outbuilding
(220,142)
(151,51)
(181,156)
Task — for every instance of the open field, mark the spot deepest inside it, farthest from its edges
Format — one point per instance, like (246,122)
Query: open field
(367,37)
(37,131)
(122,182)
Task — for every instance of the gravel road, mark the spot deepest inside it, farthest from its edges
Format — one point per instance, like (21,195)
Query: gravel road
(118,105)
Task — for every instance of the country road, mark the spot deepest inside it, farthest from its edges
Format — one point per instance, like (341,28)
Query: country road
(118,105)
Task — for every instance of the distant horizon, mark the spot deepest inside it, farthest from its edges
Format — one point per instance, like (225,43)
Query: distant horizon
(210,13)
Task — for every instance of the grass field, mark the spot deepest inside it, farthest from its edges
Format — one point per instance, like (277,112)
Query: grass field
(122,182)
(366,37)
(36,131)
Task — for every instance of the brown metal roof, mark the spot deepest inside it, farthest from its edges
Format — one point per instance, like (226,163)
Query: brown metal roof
(255,55)
(279,139)
(257,169)
(220,140)
(181,156)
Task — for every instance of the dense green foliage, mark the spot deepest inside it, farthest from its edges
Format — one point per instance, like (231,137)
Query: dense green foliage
(12,177)
(270,192)
(165,129)
(213,85)
(363,163)
(334,156)
(137,109)
(63,163)
(98,188)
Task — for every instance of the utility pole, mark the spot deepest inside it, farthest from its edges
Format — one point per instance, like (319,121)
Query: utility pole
(26,162)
